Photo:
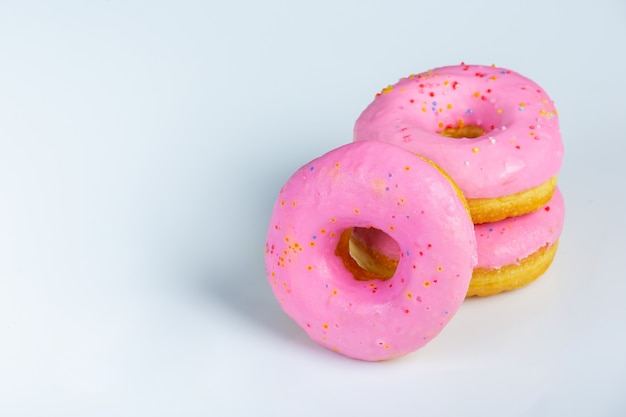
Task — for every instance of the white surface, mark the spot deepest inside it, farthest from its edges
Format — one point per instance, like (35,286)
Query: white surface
(142,145)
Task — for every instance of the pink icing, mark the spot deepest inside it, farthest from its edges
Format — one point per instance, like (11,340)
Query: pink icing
(407,198)
(521,148)
(500,243)
(508,241)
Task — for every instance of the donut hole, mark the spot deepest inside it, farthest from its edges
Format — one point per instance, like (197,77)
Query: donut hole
(470,119)
(463,132)
(361,257)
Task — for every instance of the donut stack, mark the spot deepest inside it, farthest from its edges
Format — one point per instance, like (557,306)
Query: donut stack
(496,133)
(448,190)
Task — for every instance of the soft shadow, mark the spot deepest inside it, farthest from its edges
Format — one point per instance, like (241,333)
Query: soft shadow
(250,296)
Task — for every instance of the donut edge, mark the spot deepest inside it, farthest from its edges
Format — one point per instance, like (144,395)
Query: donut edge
(490,210)
(486,282)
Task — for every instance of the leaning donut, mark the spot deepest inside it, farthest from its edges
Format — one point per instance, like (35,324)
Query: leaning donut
(495,132)
(370,316)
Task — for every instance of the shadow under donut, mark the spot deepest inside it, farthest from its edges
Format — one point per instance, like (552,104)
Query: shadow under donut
(248,296)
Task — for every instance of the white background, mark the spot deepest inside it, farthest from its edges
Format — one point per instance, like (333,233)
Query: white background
(142,145)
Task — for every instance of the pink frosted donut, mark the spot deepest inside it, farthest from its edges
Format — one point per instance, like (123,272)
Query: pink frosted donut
(495,132)
(511,253)
(337,303)
(516,251)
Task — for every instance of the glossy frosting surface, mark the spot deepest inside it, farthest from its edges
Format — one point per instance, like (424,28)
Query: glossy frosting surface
(521,147)
(415,205)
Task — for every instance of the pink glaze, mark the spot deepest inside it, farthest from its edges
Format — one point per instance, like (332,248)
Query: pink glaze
(509,241)
(500,243)
(404,196)
(521,148)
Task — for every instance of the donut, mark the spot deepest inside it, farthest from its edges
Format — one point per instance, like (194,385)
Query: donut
(494,131)
(366,315)
(516,251)
(511,253)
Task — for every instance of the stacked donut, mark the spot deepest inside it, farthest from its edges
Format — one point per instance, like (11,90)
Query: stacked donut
(496,133)
(447,191)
